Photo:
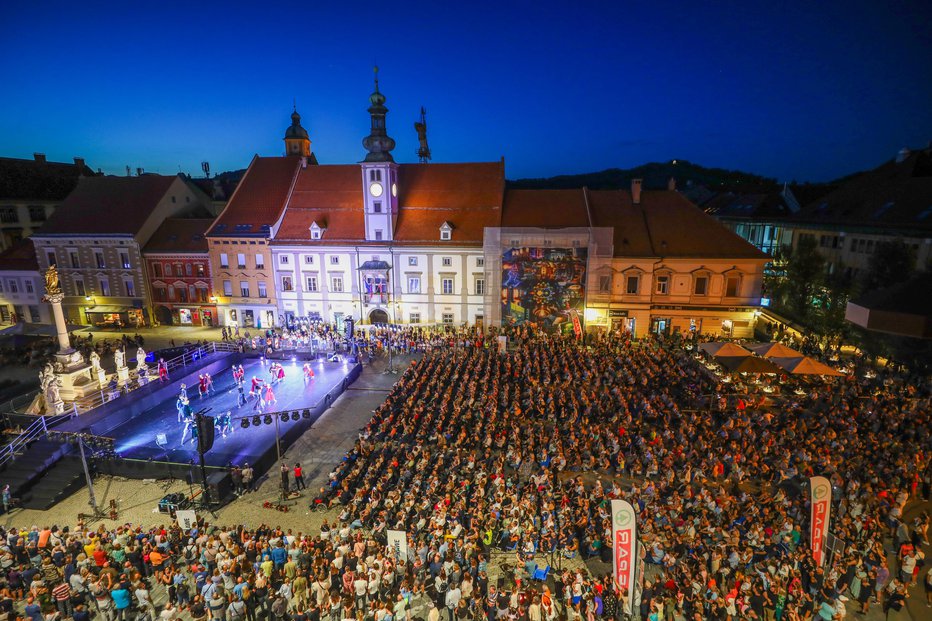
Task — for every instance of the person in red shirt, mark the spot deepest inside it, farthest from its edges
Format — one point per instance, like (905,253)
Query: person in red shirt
(299,477)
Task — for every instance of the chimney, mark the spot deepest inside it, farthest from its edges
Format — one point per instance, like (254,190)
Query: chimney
(39,157)
(902,155)
(636,191)
(79,162)
(671,184)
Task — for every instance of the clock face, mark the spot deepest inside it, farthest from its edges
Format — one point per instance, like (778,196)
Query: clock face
(394,190)
(375,189)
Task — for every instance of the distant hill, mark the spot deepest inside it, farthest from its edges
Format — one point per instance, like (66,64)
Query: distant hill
(655,176)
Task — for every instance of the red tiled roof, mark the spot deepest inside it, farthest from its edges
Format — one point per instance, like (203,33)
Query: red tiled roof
(108,205)
(468,196)
(259,198)
(21,257)
(180,235)
(663,224)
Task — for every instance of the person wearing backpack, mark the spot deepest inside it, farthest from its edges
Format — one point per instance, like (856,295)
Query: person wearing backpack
(236,611)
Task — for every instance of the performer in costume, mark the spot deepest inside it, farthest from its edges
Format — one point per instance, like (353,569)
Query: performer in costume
(308,372)
(163,370)
(273,371)
(281,373)
(188,417)
(225,422)
(241,395)
(270,395)
(209,381)
(201,386)
(179,405)
(256,388)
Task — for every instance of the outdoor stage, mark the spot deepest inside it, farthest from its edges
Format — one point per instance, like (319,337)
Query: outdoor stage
(136,437)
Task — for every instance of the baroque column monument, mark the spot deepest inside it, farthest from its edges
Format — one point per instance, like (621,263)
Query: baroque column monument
(72,372)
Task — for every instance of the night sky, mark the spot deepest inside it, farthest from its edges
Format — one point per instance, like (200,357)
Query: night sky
(792,90)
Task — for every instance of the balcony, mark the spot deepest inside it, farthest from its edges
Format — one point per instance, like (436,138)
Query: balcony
(375,298)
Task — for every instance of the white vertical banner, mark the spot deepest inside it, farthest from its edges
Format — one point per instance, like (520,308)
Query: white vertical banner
(398,544)
(624,549)
(187,519)
(502,344)
(820,513)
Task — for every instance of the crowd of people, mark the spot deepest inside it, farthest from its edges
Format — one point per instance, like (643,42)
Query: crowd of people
(482,456)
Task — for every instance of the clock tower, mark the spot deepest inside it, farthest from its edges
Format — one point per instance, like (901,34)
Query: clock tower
(379,173)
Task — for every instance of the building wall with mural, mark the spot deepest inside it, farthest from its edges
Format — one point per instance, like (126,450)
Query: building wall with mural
(544,287)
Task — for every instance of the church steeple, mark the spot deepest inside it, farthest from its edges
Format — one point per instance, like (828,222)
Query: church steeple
(378,143)
(297,142)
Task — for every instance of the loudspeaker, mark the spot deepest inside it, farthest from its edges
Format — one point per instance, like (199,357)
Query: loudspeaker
(219,487)
(205,432)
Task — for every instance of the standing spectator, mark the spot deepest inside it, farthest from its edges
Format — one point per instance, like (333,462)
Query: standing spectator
(62,595)
(299,478)
(247,477)
(121,601)
(285,472)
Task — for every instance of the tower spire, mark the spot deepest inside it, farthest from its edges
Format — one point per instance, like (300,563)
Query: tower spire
(420,126)
(378,143)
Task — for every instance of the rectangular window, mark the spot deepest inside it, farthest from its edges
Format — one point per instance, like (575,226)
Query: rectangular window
(334,260)
(414,318)
(168,269)
(157,270)
(79,287)
(446,261)
(444,235)
(309,259)
(37,213)
(311,284)
(99,259)
(1,291)
(130,288)
(447,286)
(287,283)
(50,256)
(188,269)
(12,287)
(124,260)
(315,234)
(480,286)
(605,284)
(34,314)
(178,269)
(241,261)
(480,261)
(377,206)
(412,261)
(263,292)
(201,294)
(378,235)
(282,258)
(199,267)
(244,288)
(414,284)
(75,261)
(731,287)
(224,260)
(8,215)
(375,175)
(160,294)
(701,285)
(104,287)
(227,288)
(29,288)
(336,284)
(181,294)
(447,318)
(663,284)
(632,285)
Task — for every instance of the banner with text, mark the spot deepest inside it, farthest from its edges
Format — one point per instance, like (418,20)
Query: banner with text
(820,501)
(187,519)
(624,547)
(398,543)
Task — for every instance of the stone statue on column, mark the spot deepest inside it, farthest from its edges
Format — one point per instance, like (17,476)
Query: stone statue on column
(119,359)
(97,372)
(50,386)
(142,369)
(72,372)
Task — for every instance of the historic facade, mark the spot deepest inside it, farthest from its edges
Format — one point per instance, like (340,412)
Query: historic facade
(22,286)
(96,238)
(178,268)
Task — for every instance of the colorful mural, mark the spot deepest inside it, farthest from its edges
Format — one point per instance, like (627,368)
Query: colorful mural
(543,287)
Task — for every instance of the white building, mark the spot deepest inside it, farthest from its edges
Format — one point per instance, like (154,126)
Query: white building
(22,286)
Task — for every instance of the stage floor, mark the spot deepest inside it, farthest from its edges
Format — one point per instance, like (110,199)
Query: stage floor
(136,439)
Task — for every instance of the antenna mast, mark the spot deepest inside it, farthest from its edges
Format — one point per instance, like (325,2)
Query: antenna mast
(420,126)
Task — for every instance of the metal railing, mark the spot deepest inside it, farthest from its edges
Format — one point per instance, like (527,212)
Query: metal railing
(10,451)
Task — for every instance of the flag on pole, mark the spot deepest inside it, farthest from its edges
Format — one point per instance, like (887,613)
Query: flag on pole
(820,511)
(624,548)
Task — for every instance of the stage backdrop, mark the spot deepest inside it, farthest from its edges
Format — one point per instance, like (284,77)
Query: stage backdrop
(543,287)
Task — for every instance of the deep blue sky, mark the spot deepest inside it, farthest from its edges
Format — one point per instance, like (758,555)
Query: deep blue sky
(805,90)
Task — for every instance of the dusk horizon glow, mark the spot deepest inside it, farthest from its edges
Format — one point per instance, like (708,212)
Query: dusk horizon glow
(798,92)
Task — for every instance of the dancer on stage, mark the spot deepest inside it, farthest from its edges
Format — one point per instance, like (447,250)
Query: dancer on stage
(256,389)
(308,372)
(201,386)
(180,403)
(273,371)
(280,374)
(225,423)
(163,370)
(187,413)
(209,381)
(270,396)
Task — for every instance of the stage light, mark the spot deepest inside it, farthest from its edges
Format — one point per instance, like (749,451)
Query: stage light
(296,415)
(256,420)
(293,359)
(244,423)
(306,414)
(268,419)
(284,417)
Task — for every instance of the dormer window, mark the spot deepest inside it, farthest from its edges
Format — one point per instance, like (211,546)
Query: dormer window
(317,231)
(446,231)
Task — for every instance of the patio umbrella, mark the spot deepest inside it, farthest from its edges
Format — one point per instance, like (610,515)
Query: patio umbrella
(719,350)
(775,350)
(805,366)
(747,364)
